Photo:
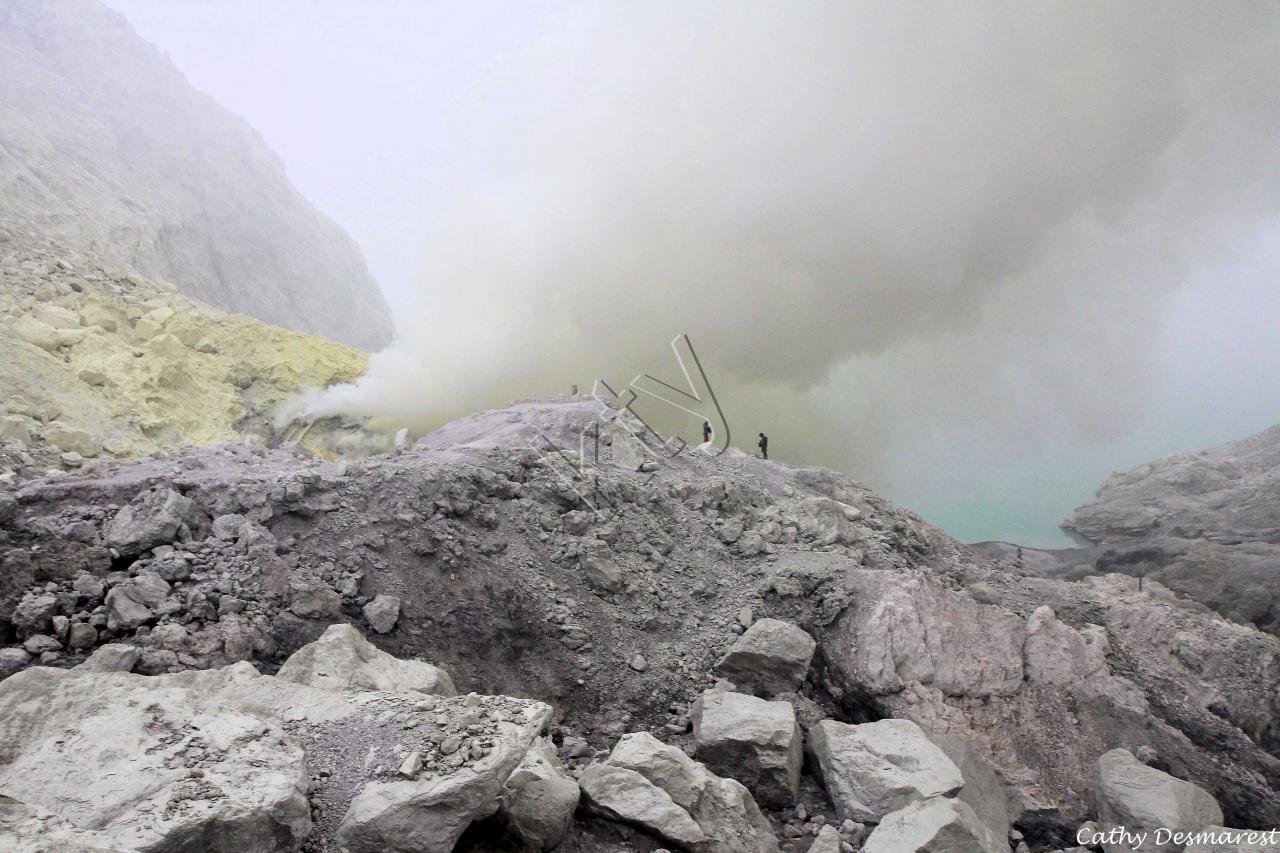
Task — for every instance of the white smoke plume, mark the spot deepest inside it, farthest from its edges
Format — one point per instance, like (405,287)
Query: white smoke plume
(878,222)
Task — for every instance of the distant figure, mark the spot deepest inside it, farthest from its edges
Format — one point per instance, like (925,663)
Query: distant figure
(763,444)
(706,432)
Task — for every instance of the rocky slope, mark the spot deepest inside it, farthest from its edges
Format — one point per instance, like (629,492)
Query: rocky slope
(106,148)
(747,613)
(95,363)
(1205,523)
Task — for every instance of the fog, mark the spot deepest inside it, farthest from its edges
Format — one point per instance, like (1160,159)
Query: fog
(973,255)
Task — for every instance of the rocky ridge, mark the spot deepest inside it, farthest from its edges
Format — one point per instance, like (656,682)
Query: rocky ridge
(1205,523)
(689,587)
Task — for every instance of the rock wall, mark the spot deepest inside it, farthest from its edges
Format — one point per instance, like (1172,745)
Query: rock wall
(1205,523)
(105,147)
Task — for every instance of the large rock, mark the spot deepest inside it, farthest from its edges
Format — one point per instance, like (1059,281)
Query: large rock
(722,808)
(539,799)
(1058,654)
(828,841)
(344,660)
(128,783)
(113,657)
(33,331)
(905,630)
(759,743)
(982,789)
(429,815)
(1141,798)
(624,795)
(222,760)
(34,614)
(153,518)
(875,768)
(382,613)
(937,825)
(72,439)
(770,657)
(314,599)
(135,601)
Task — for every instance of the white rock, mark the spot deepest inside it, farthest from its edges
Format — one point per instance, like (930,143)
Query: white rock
(382,613)
(770,657)
(723,808)
(135,601)
(152,518)
(342,660)
(875,768)
(937,825)
(1058,654)
(539,799)
(757,742)
(982,788)
(625,795)
(122,787)
(113,657)
(57,317)
(828,841)
(73,439)
(1138,797)
(34,332)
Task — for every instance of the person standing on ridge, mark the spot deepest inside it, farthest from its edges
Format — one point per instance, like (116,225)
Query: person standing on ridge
(706,432)
(763,444)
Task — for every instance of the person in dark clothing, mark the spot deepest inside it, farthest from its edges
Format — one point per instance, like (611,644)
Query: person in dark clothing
(706,432)
(763,444)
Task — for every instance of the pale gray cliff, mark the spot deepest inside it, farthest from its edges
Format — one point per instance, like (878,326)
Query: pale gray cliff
(1205,523)
(106,147)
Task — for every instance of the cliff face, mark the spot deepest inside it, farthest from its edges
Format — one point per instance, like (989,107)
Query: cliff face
(1205,523)
(106,148)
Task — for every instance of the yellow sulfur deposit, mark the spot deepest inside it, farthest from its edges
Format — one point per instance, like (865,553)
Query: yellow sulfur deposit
(128,366)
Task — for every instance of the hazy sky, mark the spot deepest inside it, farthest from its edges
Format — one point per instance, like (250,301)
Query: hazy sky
(976,255)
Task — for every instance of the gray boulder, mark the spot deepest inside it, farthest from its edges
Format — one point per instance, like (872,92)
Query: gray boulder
(936,825)
(722,808)
(34,614)
(152,518)
(128,784)
(343,660)
(769,657)
(757,742)
(429,815)
(314,600)
(382,613)
(135,601)
(1142,798)
(539,799)
(876,768)
(626,796)
(113,657)
(828,841)
(223,761)
(227,527)
(982,789)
